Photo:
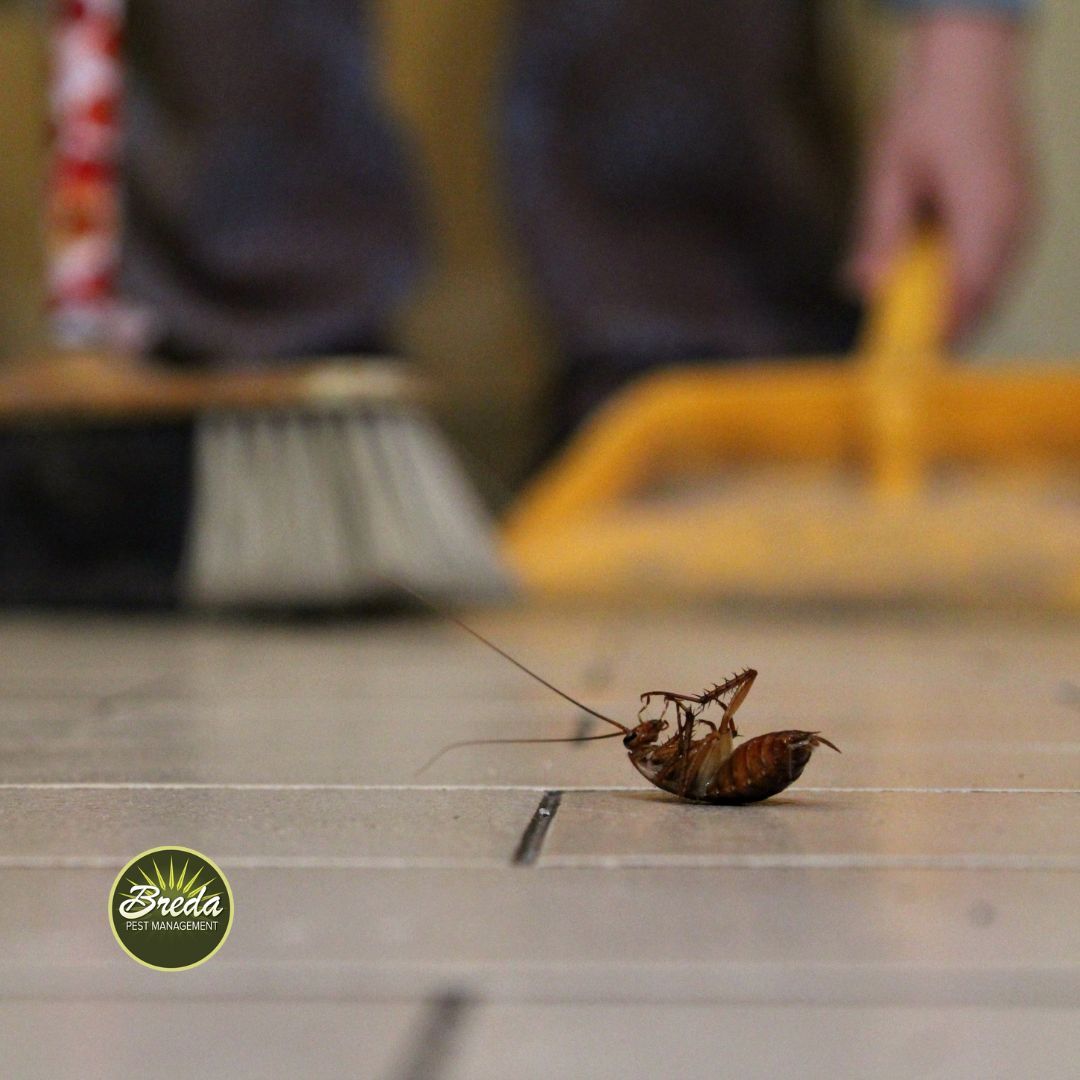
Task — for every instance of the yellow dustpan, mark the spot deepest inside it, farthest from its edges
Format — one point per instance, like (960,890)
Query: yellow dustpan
(890,475)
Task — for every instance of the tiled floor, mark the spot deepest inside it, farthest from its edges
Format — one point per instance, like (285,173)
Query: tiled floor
(909,908)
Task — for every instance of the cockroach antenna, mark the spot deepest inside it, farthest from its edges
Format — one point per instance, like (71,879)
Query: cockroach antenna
(519,665)
(495,742)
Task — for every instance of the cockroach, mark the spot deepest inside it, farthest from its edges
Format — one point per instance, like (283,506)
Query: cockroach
(699,761)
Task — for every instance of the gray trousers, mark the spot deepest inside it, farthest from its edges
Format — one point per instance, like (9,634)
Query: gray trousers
(668,165)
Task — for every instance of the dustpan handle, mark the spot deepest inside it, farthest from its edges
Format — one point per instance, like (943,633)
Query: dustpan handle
(902,348)
(734,412)
(907,318)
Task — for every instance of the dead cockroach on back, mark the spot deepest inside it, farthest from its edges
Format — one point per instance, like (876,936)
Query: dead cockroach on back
(711,768)
(699,761)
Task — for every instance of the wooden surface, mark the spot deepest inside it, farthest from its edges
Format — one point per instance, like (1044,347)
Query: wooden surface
(906,909)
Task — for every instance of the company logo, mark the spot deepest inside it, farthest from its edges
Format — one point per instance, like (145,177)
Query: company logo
(171,908)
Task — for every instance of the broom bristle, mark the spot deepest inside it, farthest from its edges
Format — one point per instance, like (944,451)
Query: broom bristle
(319,508)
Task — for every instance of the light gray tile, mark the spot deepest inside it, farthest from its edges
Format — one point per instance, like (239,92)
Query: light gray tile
(688,1039)
(957,674)
(380,740)
(808,827)
(780,935)
(92,826)
(50,1040)
(375,743)
(372,741)
(870,759)
(329,907)
(936,703)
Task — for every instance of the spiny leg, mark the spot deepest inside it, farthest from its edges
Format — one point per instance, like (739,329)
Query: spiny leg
(669,697)
(741,685)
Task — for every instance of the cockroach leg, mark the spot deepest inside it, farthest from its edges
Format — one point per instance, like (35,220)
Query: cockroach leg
(686,742)
(673,695)
(741,684)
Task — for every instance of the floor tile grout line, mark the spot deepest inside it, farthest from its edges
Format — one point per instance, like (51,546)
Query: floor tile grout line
(414,788)
(851,861)
(532,839)
(266,862)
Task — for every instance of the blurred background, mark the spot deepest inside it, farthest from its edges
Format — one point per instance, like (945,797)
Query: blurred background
(474,317)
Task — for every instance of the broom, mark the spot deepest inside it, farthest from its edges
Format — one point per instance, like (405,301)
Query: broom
(313,485)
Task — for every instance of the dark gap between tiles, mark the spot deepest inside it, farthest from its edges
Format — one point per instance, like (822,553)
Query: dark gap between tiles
(431,1049)
(532,839)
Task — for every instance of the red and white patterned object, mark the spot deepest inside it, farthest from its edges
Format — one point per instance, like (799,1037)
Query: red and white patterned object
(83,217)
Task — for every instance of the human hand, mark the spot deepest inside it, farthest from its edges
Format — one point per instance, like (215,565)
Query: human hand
(953,145)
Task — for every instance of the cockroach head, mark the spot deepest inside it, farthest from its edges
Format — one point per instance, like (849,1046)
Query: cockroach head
(648,731)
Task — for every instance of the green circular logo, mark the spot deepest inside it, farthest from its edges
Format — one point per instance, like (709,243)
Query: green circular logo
(170,908)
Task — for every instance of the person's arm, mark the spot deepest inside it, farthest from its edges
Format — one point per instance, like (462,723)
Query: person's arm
(952,143)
